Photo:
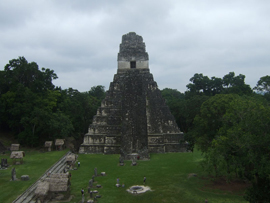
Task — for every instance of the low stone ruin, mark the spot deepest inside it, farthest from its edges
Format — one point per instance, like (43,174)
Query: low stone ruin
(71,160)
(103,173)
(15,147)
(98,186)
(48,145)
(17,157)
(59,144)
(25,177)
(56,186)
(59,182)
(42,190)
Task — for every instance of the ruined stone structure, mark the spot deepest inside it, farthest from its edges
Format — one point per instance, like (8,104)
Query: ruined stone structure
(133,119)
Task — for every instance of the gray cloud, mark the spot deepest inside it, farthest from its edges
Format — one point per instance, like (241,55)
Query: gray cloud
(80,40)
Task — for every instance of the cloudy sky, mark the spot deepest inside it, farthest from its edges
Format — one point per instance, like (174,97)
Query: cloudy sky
(80,39)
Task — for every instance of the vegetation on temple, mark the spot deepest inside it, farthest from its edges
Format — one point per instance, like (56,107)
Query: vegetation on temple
(225,118)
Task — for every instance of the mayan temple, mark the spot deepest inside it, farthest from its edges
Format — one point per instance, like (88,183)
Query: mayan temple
(133,119)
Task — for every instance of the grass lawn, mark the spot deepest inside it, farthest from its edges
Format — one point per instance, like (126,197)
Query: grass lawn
(167,175)
(35,164)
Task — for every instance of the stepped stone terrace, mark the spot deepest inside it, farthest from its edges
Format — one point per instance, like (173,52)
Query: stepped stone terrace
(133,119)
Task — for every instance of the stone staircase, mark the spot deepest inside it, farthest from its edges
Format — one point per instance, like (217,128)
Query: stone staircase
(28,196)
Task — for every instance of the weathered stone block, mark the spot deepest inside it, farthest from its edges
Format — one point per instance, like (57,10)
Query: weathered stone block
(25,177)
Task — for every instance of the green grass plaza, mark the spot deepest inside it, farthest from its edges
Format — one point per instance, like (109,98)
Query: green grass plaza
(168,176)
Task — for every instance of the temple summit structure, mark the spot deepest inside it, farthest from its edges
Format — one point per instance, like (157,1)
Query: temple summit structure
(133,119)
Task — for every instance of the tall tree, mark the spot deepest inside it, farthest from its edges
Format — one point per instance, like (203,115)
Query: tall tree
(244,141)
(19,71)
(229,84)
(80,107)
(98,92)
(28,99)
(263,86)
(233,132)
(192,108)
(210,120)
(200,84)
(176,102)
(236,84)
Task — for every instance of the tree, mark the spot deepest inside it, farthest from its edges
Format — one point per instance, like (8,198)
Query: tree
(191,110)
(60,126)
(233,132)
(245,135)
(19,71)
(263,86)
(28,100)
(200,84)
(230,84)
(176,102)
(228,80)
(216,85)
(210,120)
(236,84)
(98,92)
(171,94)
(184,110)
(80,107)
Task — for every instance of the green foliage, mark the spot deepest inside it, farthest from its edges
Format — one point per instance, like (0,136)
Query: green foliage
(19,71)
(59,125)
(246,126)
(80,108)
(233,132)
(210,120)
(36,111)
(192,108)
(201,89)
(229,84)
(171,94)
(98,92)
(263,86)
(202,85)
(28,99)
(176,102)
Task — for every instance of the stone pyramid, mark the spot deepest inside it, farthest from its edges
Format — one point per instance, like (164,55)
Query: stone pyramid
(133,119)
